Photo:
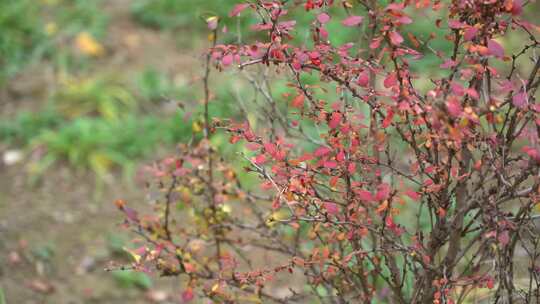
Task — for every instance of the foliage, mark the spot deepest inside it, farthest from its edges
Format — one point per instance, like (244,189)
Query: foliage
(132,279)
(26,126)
(398,187)
(99,145)
(32,30)
(22,36)
(171,14)
(95,143)
(103,96)
(2,296)
(155,86)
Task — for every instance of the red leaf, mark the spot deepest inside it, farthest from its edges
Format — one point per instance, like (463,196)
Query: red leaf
(470,33)
(363,79)
(390,80)
(335,120)
(495,48)
(238,9)
(330,164)
(454,107)
(395,38)
(352,20)
(260,159)
(270,148)
(298,101)
(322,151)
(323,18)
(388,119)
(383,192)
(187,295)
(532,152)
(351,168)
(413,195)
(364,195)
(375,43)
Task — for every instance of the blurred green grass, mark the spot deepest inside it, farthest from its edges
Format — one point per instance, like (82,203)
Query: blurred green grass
(97,120)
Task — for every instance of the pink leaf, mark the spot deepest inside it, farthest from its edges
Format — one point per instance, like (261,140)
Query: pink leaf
(212,23)
(395,38)
(395,7)
(495,48)
(330,164)
(323,18)
(449,63)
(413,195)
(455,24)
(388,119)
(227,59)
(270,148)
(335,120)
(331,208)
(383,192)
(517,7)
(187,295)
(470,33)
(298,101)
(375,43)
(520,99)
(532,152)
(131,214)
(364,195)
(352,20)
(351,168)
(238,9)
(504,238)
(457,88)
(322,151)
(363,79)
(260,159)
(390,80)
(404,20)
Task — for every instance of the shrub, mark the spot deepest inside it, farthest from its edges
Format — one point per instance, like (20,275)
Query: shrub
(21,38)
(378,184)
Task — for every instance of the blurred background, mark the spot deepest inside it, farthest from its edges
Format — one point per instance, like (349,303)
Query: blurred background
(91,91)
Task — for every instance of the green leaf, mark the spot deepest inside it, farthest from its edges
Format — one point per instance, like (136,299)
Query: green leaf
(2,296)
(132,279)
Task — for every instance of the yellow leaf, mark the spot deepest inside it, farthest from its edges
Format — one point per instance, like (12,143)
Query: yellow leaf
(88,45)
(51,28)
(135,256)
(196,127)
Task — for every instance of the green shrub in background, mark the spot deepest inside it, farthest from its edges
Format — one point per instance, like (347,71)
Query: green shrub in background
(31,30)
(26,126)
(101,95)
(74,16)
(22,38)
(155,86)
(171,14)
(100,145)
